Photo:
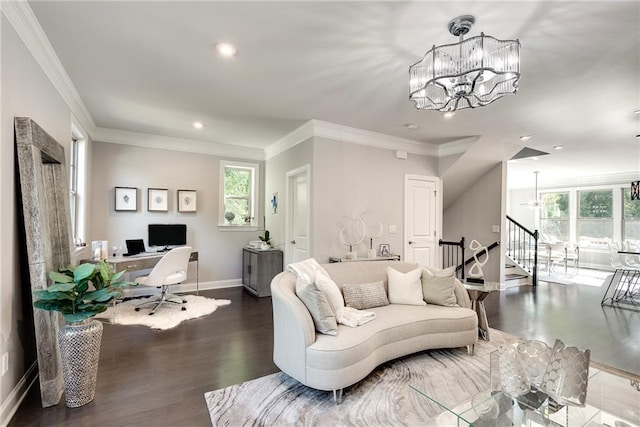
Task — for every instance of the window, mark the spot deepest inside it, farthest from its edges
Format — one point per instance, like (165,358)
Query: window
(630,218)
(73,187)
(239,190)
(554,217)
(77,193)
(595,218)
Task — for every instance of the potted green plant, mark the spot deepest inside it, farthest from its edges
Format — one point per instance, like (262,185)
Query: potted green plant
(266,240)
(79,293)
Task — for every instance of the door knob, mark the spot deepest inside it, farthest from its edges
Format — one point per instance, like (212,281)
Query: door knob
(293,242)
(410,242)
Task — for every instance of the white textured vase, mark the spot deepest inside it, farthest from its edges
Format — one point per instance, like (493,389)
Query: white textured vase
(80,352)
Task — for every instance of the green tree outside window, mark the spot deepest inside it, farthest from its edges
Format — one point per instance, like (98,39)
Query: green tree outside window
(237,193)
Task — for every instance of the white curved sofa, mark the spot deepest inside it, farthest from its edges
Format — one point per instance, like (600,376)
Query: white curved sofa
(331,363)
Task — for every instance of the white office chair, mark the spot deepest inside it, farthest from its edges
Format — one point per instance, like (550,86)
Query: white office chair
(170,270)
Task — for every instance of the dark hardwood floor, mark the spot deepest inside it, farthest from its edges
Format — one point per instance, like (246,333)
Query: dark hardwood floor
(149,377)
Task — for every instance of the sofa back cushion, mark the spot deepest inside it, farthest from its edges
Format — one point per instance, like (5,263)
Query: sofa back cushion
(365,271)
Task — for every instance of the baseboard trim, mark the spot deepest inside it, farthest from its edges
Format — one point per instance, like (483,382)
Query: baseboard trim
(138,291)
(12,403)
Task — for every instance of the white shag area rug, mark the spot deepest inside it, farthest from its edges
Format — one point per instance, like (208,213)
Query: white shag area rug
(167,316)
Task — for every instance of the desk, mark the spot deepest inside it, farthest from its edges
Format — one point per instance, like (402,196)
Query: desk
(137,263)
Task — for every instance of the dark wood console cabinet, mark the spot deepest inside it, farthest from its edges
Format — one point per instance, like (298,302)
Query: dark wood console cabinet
(258,268)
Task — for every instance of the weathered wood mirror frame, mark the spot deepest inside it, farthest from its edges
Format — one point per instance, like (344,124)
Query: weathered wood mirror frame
(45,206)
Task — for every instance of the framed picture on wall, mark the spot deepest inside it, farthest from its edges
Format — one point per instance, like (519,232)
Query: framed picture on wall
(126,199)
(157,199)
(187,200)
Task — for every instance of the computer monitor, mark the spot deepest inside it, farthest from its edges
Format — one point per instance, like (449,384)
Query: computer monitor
(167,235)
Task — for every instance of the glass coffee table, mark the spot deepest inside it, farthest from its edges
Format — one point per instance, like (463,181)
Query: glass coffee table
(611,400)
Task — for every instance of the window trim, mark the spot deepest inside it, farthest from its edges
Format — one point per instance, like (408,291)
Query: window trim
(623,218)
(254,202)
(78,135)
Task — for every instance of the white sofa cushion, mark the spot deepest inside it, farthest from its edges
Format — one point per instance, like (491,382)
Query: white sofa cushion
(405,288)
(332,292)
(318,306)
(393,324)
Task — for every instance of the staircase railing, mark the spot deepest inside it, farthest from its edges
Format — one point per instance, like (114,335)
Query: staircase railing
(453,254)
(482,252)
(522,247)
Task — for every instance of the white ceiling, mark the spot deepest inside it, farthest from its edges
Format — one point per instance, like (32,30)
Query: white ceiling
(151,67)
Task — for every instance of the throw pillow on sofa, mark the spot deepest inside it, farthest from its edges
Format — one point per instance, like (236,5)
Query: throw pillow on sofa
(365,295)
(318,306)
(405,288)
(438,286)
(332,291)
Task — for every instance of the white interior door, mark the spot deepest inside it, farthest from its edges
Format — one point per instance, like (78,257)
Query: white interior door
(298,220)
(423,201)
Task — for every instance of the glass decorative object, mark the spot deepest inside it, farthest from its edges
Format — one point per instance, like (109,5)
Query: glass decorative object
(567,375)
(512,376)
(534,357)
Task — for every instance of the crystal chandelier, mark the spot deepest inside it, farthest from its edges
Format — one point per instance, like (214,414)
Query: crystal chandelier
(468,74)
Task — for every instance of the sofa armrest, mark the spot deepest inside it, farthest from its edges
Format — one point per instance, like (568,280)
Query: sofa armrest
(293,329)
(462,296)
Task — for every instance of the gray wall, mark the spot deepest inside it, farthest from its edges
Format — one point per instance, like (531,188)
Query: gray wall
(26,91)
(128,166)
(474,213)
(276,182)
(349,179)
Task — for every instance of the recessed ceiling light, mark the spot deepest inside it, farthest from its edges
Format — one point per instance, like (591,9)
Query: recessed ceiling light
(410,126)
(638,136)
(637,111)
(525,137)
(226,49)
(449,114)
(558,147)
(198,125)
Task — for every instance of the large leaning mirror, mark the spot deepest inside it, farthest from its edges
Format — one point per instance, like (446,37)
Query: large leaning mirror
(44,198)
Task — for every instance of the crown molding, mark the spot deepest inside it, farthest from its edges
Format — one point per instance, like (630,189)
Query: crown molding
(373,139)
(321,129)
(290,140)
(25,23)
(458,146)
(146,140)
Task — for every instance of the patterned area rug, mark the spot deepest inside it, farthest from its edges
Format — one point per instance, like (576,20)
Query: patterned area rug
(166,316)
(383,398)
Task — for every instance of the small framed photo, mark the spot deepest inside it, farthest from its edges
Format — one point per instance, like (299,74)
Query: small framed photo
(384,249)
(187,200)
(126,199)
(157,199)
